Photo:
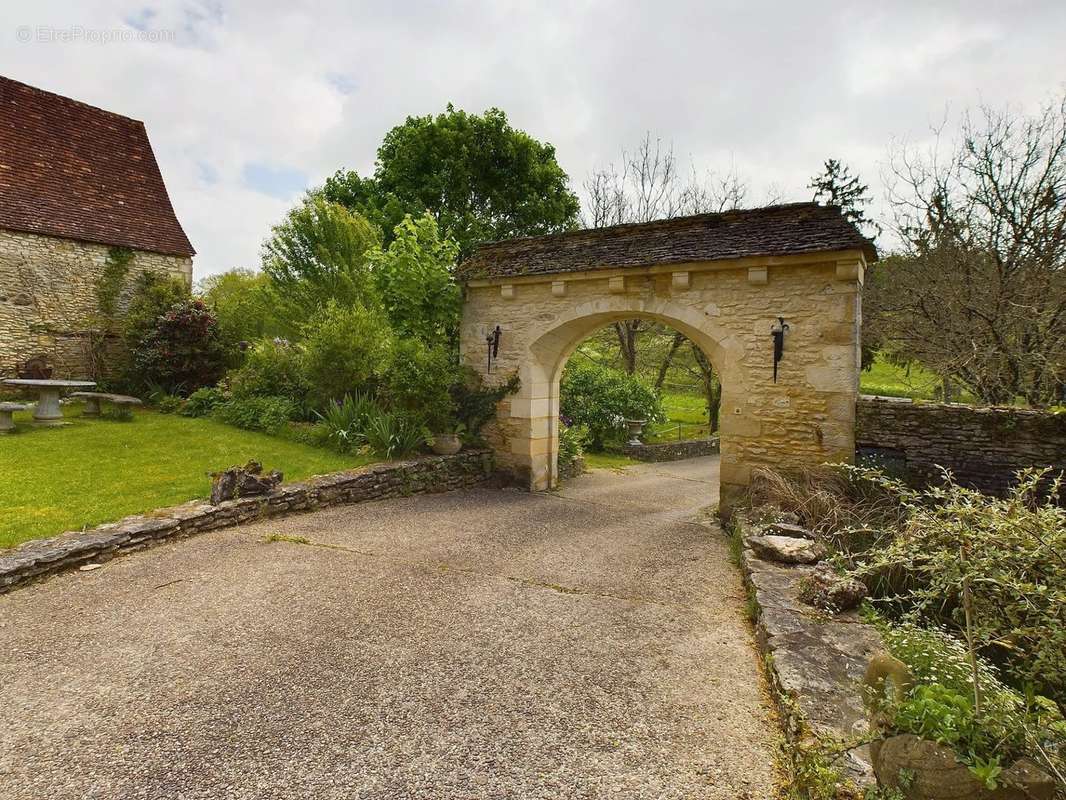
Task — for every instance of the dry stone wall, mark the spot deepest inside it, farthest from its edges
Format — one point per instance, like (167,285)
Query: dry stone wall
(983,447)
(672,451)
(40,558)
(48,296)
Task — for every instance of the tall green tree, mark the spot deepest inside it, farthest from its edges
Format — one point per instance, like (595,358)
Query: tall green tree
(836,186)
(414,281)
(318,254)
(480,178)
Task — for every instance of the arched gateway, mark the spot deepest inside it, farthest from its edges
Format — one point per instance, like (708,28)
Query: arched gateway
(726,281)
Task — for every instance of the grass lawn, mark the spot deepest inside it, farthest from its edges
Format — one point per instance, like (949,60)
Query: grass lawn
(885,378)
(100,470)
(608,461)
(687,410)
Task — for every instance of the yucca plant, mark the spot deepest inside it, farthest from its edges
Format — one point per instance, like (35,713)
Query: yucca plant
(392,435)
(343,424)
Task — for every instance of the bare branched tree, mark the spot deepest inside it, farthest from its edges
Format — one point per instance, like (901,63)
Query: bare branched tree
(649,185)
(979,291)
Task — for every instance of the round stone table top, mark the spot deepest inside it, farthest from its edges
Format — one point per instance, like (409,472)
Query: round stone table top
(53,384)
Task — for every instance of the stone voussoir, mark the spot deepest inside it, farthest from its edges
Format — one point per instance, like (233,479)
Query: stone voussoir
(43,557)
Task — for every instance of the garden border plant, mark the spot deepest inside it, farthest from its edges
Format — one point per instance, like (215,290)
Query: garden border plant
(970,589)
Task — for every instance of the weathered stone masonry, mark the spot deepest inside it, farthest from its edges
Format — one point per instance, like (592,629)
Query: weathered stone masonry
(726,308)
(48,296)
(983,447)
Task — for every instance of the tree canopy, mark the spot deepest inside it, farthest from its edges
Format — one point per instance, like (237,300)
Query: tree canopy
(319,253)
(480,178)
(978,291)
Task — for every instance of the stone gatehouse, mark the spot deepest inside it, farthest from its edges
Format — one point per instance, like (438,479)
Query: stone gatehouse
(75,182)
(724,281)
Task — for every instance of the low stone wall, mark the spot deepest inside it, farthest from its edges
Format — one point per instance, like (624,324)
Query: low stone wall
(816,661)
(672,451)
(983,447)
(43,557)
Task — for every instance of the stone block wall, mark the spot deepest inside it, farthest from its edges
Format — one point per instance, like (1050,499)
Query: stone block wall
(727,308)
(48,295)
(672,451)
(983,447)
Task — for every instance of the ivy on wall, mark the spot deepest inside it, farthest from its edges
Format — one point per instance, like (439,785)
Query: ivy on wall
(112,280)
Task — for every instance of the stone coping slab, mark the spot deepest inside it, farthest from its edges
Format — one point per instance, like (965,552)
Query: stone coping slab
(816,660)
(43,557)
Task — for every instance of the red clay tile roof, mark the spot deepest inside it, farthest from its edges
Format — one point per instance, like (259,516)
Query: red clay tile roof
(71,170)
(771,231)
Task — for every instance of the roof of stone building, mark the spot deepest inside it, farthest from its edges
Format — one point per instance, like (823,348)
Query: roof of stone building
(779,230)
(72,170)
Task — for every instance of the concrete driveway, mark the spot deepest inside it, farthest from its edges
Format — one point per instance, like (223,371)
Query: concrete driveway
(588,643)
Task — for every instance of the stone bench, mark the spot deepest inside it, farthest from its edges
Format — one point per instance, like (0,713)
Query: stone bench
(93,399)
(6,410)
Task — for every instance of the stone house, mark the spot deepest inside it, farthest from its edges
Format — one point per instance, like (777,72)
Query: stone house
(78,186)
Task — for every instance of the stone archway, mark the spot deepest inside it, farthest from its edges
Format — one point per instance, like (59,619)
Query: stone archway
(722,280)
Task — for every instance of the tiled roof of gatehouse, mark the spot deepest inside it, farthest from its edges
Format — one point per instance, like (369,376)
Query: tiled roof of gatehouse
(787,229)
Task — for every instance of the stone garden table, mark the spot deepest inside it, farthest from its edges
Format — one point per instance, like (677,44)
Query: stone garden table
(48,411)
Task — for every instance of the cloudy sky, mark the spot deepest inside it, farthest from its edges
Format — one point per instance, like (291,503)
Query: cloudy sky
(249,103)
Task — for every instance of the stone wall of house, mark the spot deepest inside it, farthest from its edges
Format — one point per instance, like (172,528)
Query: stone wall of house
(727,308)
(48,297)
(983,447)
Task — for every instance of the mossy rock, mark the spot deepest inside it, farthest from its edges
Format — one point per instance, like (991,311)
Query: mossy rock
(938,775)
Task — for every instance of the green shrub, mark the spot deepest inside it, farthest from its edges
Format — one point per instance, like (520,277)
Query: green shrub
(153,295)
(270,414)
(414,280)
(182,351)
(345,349)
(246,307)
(394,435)
(1010,551)
(168,403)
(203,401)
(602,398)
(272,368)
(419,383)
(572,439)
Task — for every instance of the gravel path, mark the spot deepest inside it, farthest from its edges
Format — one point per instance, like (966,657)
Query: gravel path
(584,644)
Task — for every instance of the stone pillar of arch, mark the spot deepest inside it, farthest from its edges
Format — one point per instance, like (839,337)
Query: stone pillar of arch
(726,306)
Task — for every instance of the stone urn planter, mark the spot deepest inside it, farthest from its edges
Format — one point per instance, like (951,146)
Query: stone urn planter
(635,427)
(937,774)
(446,444)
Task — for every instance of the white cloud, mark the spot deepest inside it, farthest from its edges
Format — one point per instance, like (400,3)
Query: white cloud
(775,87)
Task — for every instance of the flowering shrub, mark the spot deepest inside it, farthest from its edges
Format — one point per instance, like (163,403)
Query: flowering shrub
(572,439)
(182,351)
(1008,554)
(943,706)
